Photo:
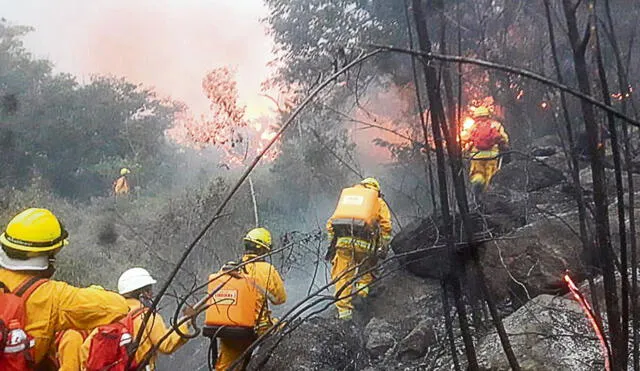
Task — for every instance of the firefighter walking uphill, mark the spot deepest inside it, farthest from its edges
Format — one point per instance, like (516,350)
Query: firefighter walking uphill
(486,142)
(238,311)
(360,233)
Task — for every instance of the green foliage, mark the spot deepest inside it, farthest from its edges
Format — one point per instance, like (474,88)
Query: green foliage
(67,133)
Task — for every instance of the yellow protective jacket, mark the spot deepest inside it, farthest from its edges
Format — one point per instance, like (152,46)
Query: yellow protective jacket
(121,186)
(384,223)
(270,287)
(67,350)
(153,332)
(57,306)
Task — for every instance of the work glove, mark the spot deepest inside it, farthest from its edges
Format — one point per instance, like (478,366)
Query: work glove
(381,253)
(383,249)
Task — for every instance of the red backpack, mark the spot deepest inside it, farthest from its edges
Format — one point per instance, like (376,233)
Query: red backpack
(16,346)
(110,345)
(485,135)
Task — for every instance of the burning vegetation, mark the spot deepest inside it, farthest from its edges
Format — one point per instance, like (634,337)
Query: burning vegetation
(503,136)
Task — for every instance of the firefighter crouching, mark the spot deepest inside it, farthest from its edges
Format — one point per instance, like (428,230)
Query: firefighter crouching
(239,311)
(486,141)
(360,232)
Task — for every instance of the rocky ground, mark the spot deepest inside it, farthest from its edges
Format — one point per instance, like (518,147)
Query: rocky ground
(530,214)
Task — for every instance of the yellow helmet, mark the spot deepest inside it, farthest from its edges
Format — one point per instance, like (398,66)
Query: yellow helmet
(124,171)
(481,111)
(261,237)
(30,238)
(371,183)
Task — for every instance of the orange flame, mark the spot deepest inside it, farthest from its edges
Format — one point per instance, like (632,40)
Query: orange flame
(589,312)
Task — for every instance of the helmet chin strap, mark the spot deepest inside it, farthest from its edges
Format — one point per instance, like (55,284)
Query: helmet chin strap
(51,269)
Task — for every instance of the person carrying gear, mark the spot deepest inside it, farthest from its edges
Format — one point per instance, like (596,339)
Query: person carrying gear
(136,285)
(486,141)
(65,352)
(239,309)
(29,245)
(121,185)
(360,233)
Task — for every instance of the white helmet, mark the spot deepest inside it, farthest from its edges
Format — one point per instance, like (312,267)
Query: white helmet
(134,279)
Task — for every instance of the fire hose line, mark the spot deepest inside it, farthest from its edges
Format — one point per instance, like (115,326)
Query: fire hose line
(592,319)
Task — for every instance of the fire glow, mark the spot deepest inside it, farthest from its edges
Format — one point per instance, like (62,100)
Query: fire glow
(227,126)
(590,315)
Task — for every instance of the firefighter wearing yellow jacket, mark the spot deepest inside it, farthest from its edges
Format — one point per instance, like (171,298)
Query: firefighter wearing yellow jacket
(121,185)
(136,286)
(487,142)
(28,248)
(360,232)
(269,288)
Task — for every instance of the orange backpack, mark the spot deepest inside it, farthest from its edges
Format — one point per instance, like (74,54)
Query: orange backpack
(111,345)
(16,346)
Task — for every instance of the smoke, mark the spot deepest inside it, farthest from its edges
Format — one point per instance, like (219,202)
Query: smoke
(168,44)
(383,117)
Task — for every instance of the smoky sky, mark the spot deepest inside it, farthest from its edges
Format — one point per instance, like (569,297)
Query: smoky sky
(167,44)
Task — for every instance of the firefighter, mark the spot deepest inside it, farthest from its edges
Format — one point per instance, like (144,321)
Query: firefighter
(121,185)
(270,288)
(487,142)
(65,350)
(29,245)
(136,286)
(360,233)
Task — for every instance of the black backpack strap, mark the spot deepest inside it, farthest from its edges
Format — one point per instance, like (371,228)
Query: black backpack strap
(26,285)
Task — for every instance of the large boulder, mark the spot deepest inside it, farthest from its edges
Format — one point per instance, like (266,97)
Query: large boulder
(548,333)
(530,175)
(531,260)
(378,335)
(422,246)
(415,345)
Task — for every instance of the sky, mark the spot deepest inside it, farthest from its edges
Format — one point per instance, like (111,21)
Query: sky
(167,44)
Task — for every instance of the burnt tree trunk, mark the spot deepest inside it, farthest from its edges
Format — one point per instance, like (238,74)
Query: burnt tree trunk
(423,122)
(433,94)
(622,228)
(623,83)
(585,238)
(596,152)
(438,118)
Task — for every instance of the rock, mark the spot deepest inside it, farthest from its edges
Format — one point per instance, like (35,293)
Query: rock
(378,335)
(528,175)
(532,259)
(316,344)
(415,345)
(544,151)
(547,333)
(423,249)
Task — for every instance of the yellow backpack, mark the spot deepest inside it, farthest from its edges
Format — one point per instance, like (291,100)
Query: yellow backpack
(356,213)
(233,307)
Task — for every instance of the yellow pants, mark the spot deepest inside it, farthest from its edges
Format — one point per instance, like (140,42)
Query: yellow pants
(481,171)
(229,351)
(343,272)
